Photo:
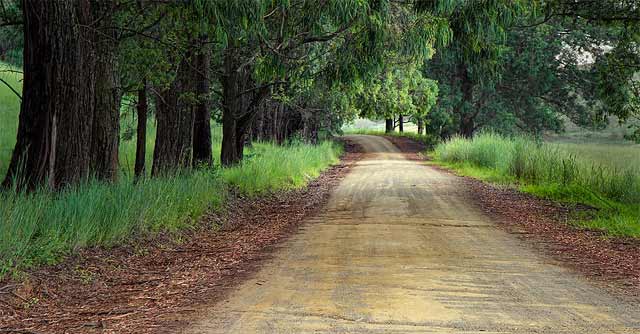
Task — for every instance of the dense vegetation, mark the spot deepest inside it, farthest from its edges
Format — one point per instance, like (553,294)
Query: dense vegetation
(158,106)
(553,172)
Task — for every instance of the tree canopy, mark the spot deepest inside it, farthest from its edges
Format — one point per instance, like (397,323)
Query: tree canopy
(277,69)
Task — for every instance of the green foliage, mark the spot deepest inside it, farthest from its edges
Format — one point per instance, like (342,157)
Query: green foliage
(549,171)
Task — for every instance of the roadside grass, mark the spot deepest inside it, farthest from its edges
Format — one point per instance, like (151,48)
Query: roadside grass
(428,140)
(552,172)
(44,227)
(271,167)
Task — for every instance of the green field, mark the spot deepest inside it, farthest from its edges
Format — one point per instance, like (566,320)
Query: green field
(43,227)
(604,176)
(9,107)
(618,155)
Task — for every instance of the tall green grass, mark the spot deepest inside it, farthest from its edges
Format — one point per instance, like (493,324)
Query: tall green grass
(550,171)
(271,167)
(43,227)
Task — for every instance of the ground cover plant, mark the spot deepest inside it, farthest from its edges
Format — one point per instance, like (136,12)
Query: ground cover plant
(552,172)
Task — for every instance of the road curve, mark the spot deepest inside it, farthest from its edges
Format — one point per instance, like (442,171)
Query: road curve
(399,249)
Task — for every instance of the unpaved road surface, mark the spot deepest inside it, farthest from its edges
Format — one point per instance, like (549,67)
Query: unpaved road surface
(400,249)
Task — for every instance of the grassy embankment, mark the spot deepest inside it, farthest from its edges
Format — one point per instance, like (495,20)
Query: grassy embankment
(605,179)
(43,227)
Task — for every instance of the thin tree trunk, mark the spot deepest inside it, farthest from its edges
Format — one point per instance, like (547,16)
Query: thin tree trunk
(202,123)
(56,115)
(388,125)
(401,123)
(420,126)
(175,119)
(141,131)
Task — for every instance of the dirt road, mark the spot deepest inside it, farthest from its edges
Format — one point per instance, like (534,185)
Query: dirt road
(400,249)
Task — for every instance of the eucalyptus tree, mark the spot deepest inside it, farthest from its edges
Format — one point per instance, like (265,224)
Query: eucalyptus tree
(59,121)
(554,60)
(479,34)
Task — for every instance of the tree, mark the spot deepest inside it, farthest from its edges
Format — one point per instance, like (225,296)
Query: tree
(106,121)
(202,112)
(57,109)
(479,32)
(175,120)
(398,92)
(268,44)
(529,79)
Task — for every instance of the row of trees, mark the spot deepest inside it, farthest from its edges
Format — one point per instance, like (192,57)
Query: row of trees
(237,61)
(270,69)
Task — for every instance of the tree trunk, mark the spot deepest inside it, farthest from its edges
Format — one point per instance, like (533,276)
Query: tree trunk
(420,126)
(141,135)
(401,123)
(175,119)
(467,127)
(240,100)
(106,122)
(56,115)
(388,125)
(202,123)
(467,122)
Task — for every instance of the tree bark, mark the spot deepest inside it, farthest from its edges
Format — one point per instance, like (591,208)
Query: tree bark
(56,115)
(175,119)
(420,126)
(388,125)
(467,122)
(106,122)
(142,109)
(240,100)
(401,123)
(202,123)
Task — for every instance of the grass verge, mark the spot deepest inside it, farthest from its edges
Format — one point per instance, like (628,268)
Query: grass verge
(42,227)
(550,172)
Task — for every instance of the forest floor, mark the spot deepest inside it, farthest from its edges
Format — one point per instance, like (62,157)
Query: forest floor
(384,242)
